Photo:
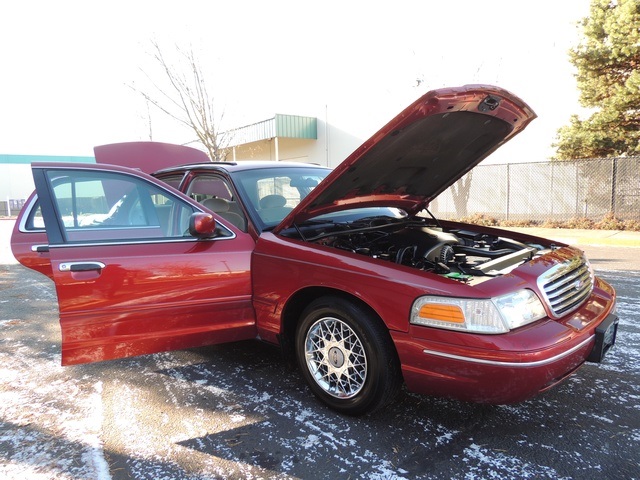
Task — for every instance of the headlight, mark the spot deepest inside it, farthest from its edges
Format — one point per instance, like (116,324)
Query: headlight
(519,308)
(496,315)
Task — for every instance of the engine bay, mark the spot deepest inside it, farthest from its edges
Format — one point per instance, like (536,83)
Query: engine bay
(461,254)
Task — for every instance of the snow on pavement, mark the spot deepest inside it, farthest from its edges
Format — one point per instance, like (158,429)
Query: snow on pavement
(50,420)
(232,411)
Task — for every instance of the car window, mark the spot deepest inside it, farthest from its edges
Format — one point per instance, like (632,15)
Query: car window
(357,214)
(205,186)
(172,180)
(34,221)
(214,192)
(274,192)
(99,206)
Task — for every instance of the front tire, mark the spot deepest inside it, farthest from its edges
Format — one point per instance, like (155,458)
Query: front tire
(346,356)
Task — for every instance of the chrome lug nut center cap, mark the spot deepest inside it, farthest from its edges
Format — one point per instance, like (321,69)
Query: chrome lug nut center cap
(336,357)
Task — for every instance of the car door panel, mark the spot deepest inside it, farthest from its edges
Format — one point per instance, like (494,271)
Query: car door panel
(127,287)
(135,305)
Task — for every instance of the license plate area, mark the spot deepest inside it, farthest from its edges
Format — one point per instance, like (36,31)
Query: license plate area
(605,339)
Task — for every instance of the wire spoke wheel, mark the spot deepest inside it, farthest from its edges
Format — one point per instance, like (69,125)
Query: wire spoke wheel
(347,356)
(336,358)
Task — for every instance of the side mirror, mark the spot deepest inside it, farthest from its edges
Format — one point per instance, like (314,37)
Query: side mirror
(202,225)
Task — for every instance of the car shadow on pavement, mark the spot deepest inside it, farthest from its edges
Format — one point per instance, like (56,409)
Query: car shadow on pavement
(236,411)
(265,418)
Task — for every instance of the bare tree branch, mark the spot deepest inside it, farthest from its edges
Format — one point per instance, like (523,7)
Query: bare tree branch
(460,192)
(183,96)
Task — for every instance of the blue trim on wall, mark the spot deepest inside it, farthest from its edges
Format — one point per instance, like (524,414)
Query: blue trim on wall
(28,159)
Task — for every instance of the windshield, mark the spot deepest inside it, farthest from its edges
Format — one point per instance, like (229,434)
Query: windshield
(271,193)
(358,214)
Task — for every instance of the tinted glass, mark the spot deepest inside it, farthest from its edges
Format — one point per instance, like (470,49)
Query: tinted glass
(172,180)
(273,192)
(214,192)
(99,206)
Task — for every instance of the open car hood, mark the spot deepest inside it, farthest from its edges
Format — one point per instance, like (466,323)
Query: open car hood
(420,153)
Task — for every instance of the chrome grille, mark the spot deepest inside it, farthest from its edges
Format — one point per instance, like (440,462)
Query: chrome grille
(567,285)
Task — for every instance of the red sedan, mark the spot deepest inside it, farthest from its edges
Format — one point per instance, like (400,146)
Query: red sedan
(345,270)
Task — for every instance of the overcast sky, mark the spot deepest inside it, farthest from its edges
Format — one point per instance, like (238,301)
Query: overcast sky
(67,67)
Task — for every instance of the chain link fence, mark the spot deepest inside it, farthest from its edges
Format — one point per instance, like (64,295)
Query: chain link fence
(535,192)
(546,191)
(11,207)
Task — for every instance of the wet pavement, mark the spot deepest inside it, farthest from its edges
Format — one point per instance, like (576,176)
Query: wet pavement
(234,411)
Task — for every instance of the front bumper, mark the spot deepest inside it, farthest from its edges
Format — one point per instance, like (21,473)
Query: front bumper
(498,376)
(605,339)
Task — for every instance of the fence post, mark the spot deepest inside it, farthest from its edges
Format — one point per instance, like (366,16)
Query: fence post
(508,192)
(8,208)
(614,175)
(575,164)
(551,203)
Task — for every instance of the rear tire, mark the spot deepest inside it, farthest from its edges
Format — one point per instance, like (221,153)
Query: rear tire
(346,356)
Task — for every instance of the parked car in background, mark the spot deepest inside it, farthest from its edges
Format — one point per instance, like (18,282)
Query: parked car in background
(345,270)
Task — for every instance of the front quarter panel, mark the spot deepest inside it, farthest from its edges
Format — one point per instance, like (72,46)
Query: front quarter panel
(284,267)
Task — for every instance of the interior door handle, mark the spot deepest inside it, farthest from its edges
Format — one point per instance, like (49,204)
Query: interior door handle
(80,266)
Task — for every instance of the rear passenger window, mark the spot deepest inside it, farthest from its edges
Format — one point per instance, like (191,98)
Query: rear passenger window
(209,186)
(35,221)
(172,180)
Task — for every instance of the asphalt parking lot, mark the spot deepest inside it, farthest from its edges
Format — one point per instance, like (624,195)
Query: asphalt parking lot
(234,411)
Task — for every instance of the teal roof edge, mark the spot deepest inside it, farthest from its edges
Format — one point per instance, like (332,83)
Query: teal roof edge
(28,159)
(295,126)
(282,126)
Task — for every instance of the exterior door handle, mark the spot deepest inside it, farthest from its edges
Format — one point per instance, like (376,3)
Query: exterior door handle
(40,248)
(80,266)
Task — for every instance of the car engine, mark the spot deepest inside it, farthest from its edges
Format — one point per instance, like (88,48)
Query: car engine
(464,255)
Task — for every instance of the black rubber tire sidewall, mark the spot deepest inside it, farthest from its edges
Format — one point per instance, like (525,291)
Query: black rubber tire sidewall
(383,373)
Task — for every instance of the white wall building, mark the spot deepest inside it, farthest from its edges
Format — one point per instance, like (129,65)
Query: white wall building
(292,138)
(283,137)
(16,181)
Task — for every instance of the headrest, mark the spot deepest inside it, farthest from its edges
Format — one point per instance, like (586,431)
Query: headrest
(216,204)
(273,201)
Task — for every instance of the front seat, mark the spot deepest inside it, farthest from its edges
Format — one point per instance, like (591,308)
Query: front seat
(220,206)
(272,208)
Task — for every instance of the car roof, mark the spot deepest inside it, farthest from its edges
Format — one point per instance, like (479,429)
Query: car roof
(231,167)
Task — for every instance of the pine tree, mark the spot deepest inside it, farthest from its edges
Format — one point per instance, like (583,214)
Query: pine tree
(608,65)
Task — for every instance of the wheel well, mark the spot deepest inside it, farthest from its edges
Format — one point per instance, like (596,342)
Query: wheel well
(296,305)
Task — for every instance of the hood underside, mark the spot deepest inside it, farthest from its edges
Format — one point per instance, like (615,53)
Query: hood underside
(420,153)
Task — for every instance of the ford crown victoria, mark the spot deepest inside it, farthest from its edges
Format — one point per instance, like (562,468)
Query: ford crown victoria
(345,270)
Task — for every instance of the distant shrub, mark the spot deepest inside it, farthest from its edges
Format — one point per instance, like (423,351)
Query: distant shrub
(519,223)
(608,222)
(481,219)
(632,225)
(552,224)
(580,223)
